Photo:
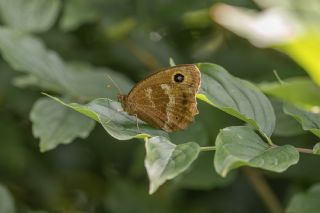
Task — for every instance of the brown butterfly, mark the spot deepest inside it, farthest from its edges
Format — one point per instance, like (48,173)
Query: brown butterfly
(165,99)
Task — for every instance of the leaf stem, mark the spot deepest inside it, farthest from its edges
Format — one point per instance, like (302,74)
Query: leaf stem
(263,189)
(207,148)
(302,150)
(268,140)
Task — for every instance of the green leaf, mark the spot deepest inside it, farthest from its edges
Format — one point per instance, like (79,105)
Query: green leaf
(299,91)
(116,122)
(316,149)
(172,63)
(76,13)
(6,202)
(196,132)
(201,177)
(305,202)
(31,15)
(55,124)
(241,146)
(165,160)
(309,120)
(285,125)
(236,97)
(47,70)
(90,82)
(28,54)
(304,50)
(130,196)
(298,38)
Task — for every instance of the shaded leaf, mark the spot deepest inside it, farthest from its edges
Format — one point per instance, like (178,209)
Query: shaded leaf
(28,54)
(6,202)
(241,146)
(47,70)
(55,124)
(90,82)
(116,122)
(124,194)
(305,202)
(76,13)
(309,120)
(200,175)
(299,91)
(285,124)
(196,131)
(31,15)
(316,149)
(165,160)
(236,97)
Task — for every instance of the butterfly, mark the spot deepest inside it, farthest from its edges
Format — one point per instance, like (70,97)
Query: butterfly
(166,99)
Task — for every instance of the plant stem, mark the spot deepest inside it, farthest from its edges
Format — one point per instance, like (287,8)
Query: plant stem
(263,189)
(302,150)
(207,148)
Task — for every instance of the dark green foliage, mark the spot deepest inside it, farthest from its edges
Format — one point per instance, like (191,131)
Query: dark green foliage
(60,68)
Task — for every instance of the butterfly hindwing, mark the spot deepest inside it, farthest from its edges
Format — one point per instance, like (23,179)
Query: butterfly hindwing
(166,99)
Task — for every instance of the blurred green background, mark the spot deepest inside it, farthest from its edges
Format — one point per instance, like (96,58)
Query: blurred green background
(101,174)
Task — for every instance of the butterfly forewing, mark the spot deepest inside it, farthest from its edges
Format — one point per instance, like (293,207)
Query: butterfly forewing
(166,99)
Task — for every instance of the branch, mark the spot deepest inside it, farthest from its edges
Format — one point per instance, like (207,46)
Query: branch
(263,189)
(302,150)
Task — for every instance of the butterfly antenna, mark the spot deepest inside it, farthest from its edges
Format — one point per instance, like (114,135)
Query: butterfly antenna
(114,83)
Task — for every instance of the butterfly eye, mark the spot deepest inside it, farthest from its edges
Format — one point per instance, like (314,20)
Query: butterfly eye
(178,78)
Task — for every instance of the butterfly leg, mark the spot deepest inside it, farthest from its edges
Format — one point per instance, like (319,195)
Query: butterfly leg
(137,123)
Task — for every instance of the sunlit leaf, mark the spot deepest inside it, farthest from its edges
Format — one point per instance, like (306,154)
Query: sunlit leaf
(241,146)
(263,29)
(236,97)
(309,120)
(31,15)
(305,202)
(276,28)
(165,160)
(116,122)
(56,124)
(304,50)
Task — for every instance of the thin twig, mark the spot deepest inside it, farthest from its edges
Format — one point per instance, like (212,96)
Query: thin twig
(302,150)
(263,189)
(207,148)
